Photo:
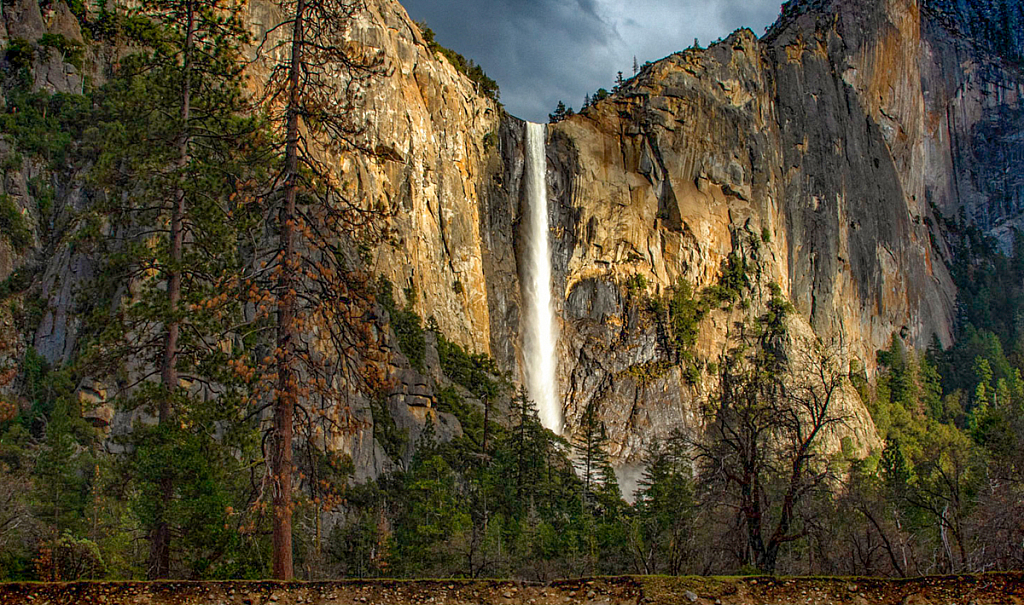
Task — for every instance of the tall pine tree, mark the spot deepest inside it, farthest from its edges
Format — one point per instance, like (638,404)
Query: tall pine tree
(172,154)
(308,280)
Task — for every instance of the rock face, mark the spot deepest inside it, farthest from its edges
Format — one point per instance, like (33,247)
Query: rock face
(821,153)
(430,130)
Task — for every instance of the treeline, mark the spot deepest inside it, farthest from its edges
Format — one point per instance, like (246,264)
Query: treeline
(770,484)
(485,85)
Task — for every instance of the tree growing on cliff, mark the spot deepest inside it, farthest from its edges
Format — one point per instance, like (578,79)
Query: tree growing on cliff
(308,278)
(561,113)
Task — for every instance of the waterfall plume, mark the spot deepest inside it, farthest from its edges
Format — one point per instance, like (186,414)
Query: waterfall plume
(541,334)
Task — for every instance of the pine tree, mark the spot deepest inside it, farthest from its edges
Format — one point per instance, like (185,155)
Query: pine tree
(306,278)
(527,446)
(636,66)
(170,162)
(208,36)
(665,505)
(558,115)
(590,447)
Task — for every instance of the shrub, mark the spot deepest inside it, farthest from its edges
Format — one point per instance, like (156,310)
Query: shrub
(636,284)
(68,558)
(685,314)
(13,225)
(73,52)
(16,283)
(473,371)
(19,55)
(43,194)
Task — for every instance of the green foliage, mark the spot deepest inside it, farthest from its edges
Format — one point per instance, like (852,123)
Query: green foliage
(208,480)
(385,431)
(13,225)
(476,372)
(72,51)
(52,128)
(406,323)
(484,84)
(470,417)
(358,548)
(636,285)
(685,313)
(43,194)
(649,372)
(63,469)
(490,140)
(519,502)
(663,532)
(591,445)
(116,26)
(560,114)
(434,512)
(682,310)
(70,559)
(19,56)
(732,283)
(17,282)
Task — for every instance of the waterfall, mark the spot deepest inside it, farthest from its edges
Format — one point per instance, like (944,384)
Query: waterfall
(541,333)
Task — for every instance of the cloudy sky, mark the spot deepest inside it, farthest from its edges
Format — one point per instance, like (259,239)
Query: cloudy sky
(543,51)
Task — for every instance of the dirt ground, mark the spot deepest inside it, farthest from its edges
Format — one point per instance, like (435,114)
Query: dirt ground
(987,589)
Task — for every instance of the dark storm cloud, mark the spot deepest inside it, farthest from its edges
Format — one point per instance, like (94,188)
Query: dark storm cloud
(543,51)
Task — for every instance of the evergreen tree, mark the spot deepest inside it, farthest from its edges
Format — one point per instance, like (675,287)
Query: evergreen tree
(172,152)
(662,539)
(205,38)
(559,114)
(590,447)
(305,279)
(527,449)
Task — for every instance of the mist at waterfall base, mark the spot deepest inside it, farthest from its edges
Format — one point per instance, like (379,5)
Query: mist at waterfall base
(541,334)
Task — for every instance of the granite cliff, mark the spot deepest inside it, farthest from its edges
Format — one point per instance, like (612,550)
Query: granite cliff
(825,153)
(822,154)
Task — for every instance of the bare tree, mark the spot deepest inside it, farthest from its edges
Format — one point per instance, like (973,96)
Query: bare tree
(762,453)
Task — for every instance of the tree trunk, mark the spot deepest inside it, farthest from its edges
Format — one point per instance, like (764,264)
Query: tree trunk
(160,551)
(284,406)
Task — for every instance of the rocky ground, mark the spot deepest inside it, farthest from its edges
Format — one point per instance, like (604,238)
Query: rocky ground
(988,589)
